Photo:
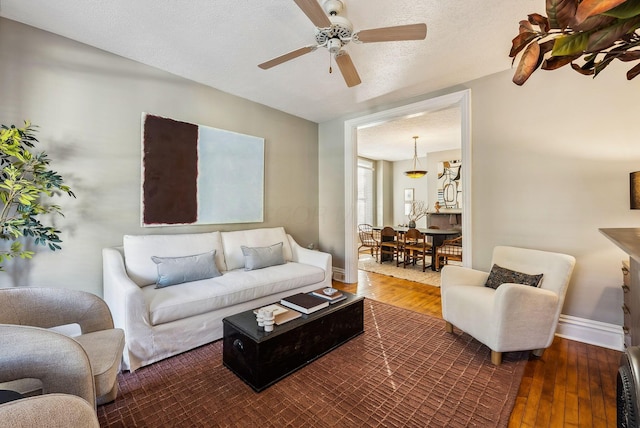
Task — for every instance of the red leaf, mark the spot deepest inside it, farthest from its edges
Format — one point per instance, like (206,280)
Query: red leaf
(525,27)
(528,63)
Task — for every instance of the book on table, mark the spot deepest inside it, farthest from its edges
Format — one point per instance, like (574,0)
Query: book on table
(332,297)
(305,303)
(281,314)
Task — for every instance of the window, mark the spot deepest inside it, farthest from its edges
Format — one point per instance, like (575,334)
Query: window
(365,203)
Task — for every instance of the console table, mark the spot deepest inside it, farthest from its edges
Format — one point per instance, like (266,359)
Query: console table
(628,239)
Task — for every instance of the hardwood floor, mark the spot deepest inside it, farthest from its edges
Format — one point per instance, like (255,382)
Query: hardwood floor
(572,385)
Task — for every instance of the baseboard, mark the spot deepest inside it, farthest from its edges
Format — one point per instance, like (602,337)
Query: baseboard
(338,274)
(569,327)
(592,332)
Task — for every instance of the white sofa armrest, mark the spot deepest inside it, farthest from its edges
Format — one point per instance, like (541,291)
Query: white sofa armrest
(127,304)
(535,315)
(457,275)
(313,258)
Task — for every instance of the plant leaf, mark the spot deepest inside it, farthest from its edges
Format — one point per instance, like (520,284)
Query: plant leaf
(594,23)
(525,27)
(588,8)
(599,66)
(606,37)
(572,44)
(561,12)
(528,63)
(633,72)
(626,10)
(540,21)
(586,72)
(556,62)
(521,41)
(629,56)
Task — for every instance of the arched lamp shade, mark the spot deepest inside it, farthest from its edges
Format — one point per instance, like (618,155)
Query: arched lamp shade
(634,190)
(415,172)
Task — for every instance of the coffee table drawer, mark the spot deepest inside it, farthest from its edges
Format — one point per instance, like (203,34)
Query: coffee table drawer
(260,363)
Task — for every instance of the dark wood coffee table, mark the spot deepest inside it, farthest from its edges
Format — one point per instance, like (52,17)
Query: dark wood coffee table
(261,359)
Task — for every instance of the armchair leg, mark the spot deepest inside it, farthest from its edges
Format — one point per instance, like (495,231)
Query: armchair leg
(448,327)
(496,357)
(538,352)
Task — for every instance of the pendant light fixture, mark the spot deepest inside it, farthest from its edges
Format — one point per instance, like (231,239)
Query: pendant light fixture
(415,172)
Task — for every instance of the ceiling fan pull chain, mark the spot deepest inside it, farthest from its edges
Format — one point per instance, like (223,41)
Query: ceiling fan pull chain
(330,69)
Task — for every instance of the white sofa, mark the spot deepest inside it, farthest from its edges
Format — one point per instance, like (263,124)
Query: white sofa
(161,322)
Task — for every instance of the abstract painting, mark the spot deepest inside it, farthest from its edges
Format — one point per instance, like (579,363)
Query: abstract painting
(449,184)
(194,174)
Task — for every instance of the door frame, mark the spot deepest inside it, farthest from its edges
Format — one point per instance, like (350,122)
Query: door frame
(463,100)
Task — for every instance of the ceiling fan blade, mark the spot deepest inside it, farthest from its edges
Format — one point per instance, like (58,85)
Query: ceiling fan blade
(314,12)
(286,57)
(392,34)
(348,70)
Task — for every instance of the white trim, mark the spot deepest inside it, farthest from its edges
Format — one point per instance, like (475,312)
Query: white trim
(337,274)
(463,99)
(592,332)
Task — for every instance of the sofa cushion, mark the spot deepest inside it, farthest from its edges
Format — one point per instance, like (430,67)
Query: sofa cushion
(500,275)
(177,270)
(262,257)
(138,250)
(233,242)
(233,287)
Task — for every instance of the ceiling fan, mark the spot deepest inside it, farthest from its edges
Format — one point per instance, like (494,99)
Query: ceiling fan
(333,32)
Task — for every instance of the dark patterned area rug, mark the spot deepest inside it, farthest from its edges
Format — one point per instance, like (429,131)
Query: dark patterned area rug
(404,371)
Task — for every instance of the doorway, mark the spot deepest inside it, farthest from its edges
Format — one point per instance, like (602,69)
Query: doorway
(463,101)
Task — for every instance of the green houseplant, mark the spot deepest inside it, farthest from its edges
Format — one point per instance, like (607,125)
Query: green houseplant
(588,34)
(25,181)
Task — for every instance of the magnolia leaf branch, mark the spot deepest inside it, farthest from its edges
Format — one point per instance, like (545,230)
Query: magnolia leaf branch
(597,32)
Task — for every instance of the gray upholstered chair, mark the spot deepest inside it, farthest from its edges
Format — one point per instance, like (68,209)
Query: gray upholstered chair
(63,369)
(53,307)
(51,411)
(512,317)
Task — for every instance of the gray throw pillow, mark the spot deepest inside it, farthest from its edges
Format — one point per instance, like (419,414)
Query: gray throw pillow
(262,257)
(500,275)
(176,270)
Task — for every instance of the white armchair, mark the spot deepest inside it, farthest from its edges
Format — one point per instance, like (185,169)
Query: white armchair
(513,317)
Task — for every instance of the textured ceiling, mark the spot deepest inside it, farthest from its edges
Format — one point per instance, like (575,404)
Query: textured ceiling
(219,43)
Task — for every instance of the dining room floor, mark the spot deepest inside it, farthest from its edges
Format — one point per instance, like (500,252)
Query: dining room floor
(368,263)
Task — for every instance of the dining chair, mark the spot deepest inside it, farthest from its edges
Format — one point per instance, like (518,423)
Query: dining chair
(389,245)
(451,249)
(368,239)
(415,248)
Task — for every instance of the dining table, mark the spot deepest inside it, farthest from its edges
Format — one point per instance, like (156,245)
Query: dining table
(437,237)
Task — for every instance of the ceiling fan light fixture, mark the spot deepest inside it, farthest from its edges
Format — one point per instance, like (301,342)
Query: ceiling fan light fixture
(415,172)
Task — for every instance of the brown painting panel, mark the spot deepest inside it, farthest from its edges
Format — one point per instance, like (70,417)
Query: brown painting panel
(170,159)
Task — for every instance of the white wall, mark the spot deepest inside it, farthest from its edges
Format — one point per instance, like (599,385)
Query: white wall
(551,162)
(402,182)
(425,188)
(384,193)
(88,104)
